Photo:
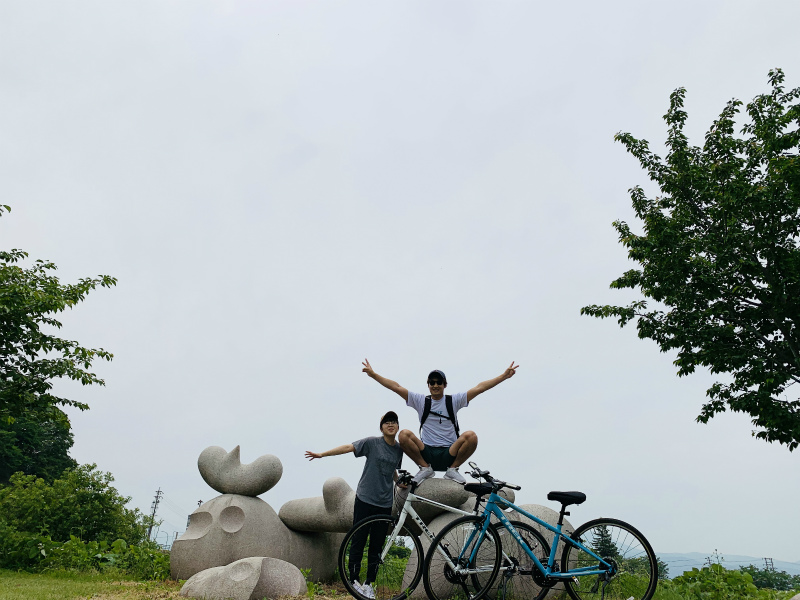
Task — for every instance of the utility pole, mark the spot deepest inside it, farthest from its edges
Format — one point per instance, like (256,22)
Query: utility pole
(154,508)
(768,564)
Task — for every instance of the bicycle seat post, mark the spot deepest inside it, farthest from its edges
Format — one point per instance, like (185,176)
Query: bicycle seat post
(564,513)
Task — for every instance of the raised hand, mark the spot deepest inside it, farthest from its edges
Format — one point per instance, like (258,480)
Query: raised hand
(510,371)
(312,455)
(367,368)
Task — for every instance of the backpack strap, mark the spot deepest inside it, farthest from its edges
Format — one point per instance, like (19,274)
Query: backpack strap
(448,401)
(450,416)
(425,412)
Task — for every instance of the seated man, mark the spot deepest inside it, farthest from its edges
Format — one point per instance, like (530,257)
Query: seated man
(442,447)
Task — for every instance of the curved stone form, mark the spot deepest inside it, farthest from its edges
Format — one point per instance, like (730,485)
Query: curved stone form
(443,491)
(333,511)
(224,472)
(247,579)
(232,527)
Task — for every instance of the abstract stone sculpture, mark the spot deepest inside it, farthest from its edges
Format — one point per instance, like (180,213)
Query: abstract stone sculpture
(224,472)
(331,512)
(235,526)
(247,579)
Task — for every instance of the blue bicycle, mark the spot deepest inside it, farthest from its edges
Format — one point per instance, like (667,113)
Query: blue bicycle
(604,558)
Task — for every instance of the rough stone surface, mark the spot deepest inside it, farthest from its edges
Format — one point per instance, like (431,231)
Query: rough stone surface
(247,579)
(444,491)
(546,514)
(231,527)
(333,511)
(224,472)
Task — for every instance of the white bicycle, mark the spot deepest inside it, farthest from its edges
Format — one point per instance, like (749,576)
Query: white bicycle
(391,568)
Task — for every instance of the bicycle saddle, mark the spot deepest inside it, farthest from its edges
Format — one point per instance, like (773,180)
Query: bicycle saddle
(567,498)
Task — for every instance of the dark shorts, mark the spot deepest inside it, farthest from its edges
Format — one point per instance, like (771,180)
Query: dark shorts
(438,457)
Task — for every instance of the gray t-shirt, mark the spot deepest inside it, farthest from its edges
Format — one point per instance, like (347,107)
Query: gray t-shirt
(377,480)
(437,431)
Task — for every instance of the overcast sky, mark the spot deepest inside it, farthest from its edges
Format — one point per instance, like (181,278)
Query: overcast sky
(285,188)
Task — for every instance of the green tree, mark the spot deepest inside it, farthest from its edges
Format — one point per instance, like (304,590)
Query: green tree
(719,257)
(36,446)
(31,357)
(603,544)
(82,502)
(771,579)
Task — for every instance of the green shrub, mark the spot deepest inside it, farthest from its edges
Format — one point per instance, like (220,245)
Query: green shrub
(82,502)
(718,583)
(775,580)
(34,552)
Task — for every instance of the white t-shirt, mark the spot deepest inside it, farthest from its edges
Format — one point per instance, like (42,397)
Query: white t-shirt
(437,431)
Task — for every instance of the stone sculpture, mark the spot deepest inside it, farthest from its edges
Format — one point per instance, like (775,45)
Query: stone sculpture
(224,472)
(331,512)
(247,579)
(234,525)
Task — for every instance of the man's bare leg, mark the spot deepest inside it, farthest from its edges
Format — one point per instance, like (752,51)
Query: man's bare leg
(462,448)
(412,446)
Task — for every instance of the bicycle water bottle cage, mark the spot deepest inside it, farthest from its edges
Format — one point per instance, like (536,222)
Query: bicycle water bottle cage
(567,498)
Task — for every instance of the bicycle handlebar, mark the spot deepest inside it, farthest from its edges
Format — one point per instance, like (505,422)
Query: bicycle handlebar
(476,473)
(404,478)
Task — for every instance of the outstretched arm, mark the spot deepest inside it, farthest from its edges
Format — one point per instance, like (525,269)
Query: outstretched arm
(387,383)
(335,452)
(489,384)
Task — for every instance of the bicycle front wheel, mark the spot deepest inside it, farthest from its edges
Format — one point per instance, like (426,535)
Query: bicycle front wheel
(460,565)
(518,577)
(393,577)
(623,546)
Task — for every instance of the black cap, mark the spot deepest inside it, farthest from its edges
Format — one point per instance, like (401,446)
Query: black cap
(389,416)
(439,374)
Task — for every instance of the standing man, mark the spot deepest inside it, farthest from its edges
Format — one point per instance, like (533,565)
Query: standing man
(373,495)
(442,447)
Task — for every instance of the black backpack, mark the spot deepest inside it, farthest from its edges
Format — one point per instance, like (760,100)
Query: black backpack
(450,416)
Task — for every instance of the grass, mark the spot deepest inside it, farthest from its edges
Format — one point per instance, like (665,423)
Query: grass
(16,585)
(73,586)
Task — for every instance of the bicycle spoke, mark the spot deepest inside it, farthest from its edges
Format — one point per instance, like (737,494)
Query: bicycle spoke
(515,581)
(392,578)
(460,565)
(633,560)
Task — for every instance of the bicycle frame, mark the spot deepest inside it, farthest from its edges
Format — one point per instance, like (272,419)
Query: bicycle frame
(408,511)
(493,507)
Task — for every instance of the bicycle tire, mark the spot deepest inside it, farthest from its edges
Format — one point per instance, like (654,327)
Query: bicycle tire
(397,576)
(441,583)
(637,575)
(516,578)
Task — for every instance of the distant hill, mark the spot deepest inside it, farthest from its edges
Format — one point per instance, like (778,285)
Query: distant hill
(678,563)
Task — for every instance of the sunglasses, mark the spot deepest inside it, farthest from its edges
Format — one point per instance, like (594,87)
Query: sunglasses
(435,382)
(389,423)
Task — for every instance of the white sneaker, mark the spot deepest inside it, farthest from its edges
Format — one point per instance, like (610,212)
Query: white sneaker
(357,586)
(423,474)
(368,591)
(452,473)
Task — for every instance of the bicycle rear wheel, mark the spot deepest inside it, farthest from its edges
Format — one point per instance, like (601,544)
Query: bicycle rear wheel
(459,544)
(393,578)
(518,574)
(620,544)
